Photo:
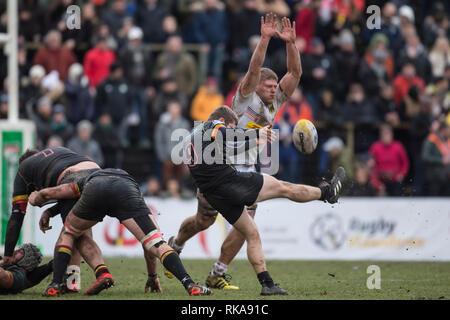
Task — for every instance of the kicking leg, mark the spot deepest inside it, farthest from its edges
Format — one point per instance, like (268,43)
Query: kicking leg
(274,188)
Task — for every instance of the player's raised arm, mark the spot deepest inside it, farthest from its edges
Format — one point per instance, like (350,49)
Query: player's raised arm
(63,191)
(251,78)
(294,67)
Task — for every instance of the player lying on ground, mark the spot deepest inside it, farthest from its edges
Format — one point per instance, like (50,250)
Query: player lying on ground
(115,193)
(229,191)
(23,270)
(257,101)
(48,168)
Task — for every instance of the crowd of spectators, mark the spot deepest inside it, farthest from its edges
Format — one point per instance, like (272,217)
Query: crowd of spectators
(137,69)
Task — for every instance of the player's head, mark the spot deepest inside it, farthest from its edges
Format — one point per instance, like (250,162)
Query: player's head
(267,86)
(28,153)
(224,114)
(28,256)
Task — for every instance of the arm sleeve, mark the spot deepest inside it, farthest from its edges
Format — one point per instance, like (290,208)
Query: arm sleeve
(236,140)
(19,208)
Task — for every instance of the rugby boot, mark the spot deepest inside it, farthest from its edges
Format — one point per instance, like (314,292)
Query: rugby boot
(334,187)
(104,281)
(53,290)
(220,282)
(272,291)
(195,289)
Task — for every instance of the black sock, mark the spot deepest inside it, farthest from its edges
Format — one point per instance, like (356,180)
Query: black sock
(325,188)
(172,262)
(60,263)
(100,269)
(265,279)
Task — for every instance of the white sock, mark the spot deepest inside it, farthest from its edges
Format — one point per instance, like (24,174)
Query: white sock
(73,280)
(219,269)
(176,246)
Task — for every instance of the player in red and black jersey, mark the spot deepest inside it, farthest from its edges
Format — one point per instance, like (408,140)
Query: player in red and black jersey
(47,168)
(115,193)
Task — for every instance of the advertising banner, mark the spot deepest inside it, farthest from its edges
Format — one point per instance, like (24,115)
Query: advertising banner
(354,229)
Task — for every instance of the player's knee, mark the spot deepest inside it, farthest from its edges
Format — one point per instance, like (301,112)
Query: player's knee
(152,240)
(71,231)
(204,222)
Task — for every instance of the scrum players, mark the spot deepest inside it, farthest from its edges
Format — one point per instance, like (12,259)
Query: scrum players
(115,193)
(256,104)
(48,168)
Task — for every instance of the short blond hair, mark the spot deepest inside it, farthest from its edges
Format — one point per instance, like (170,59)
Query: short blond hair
(266,74)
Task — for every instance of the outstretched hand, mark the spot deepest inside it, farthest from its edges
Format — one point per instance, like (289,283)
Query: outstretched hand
(288,31)
(269,25)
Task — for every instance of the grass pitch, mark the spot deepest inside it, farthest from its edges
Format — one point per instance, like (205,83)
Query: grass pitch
(305,280)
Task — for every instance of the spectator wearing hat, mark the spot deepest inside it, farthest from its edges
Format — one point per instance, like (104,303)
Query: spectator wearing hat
(97,62)
(391,163)
(80,103)
(176,63)
(53,56)
(149,17)
(377,66)
(84,144)
(206,100)
(136,62)
(30,88)
(59,124)
(347,63)
(334,154)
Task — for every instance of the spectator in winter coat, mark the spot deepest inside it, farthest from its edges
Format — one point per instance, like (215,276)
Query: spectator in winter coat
(391,163)
(97,62)
(80,101)
(168,122)
(436,158)
(84,144)
(54,56)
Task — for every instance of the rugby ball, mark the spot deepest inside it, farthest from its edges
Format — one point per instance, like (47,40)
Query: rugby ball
(305,136)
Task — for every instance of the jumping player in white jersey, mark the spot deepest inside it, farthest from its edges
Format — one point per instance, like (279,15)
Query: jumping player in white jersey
(257,101)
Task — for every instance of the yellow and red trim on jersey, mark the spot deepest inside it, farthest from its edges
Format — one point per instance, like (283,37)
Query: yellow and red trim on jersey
(75,189)
(216,129)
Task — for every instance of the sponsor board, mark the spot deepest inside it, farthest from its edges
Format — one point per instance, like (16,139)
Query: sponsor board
(355,229)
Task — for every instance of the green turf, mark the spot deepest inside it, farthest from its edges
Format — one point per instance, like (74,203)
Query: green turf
(303,279)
